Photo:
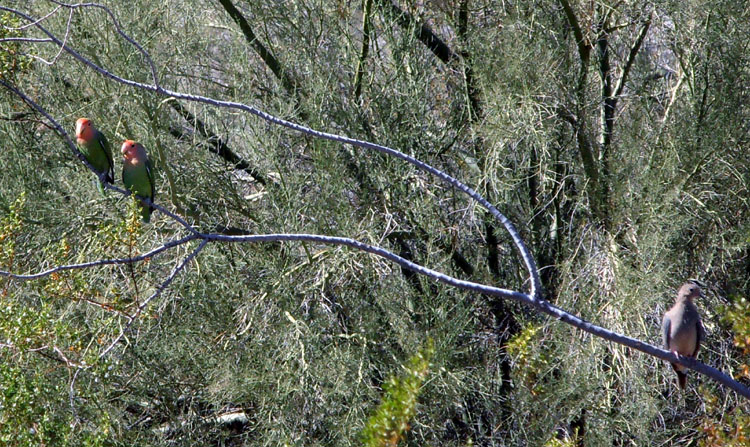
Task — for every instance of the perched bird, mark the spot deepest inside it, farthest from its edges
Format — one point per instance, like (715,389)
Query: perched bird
(96,149)
(137,174)
(682,330)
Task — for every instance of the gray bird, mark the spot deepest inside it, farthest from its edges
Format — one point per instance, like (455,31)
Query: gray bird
(682,330)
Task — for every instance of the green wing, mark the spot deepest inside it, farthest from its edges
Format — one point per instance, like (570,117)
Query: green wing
(107,149)
(150,175)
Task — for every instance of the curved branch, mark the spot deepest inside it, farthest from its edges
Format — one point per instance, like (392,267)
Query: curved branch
(102,262)
(61,131)
(532,299)
(515,236)
(541,305)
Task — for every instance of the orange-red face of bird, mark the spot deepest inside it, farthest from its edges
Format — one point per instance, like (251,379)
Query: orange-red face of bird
(84,130)
(130,152)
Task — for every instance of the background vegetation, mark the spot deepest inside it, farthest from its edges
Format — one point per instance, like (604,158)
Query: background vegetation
(613,134)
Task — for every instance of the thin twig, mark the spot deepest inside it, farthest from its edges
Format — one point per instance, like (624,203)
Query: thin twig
(510,228)
(102,262)
(72,396)
(154,295)
(65,39)
(29,25)
(531,299)
(102,176)
(116,23)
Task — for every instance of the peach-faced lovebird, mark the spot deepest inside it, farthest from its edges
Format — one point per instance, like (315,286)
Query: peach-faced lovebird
(137,174)
(95,147)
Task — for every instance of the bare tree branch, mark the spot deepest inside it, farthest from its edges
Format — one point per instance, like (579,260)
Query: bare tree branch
(156,293)
(102,262)
(217,145)
(631,58)
(531,299)
(515,236)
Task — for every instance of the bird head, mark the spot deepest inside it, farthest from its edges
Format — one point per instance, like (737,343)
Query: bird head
(84,130)
(130,152)
(689,291)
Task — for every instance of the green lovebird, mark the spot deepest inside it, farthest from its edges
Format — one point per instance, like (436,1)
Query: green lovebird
(137,174)
(95,147)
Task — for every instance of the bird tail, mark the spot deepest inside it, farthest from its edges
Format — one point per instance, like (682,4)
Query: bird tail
(681,379)
(99,186)
(146,213)
(681,375)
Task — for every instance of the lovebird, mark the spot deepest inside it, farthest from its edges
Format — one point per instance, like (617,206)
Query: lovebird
(137,174)
(95,147)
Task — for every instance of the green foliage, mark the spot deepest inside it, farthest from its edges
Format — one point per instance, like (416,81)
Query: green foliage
(389,423)
(25,416)
(554,442)
(30,410)
(31,397)
(737,315)
(529,364)
(722,427)
(13,61)
(10,229)
(298,337)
